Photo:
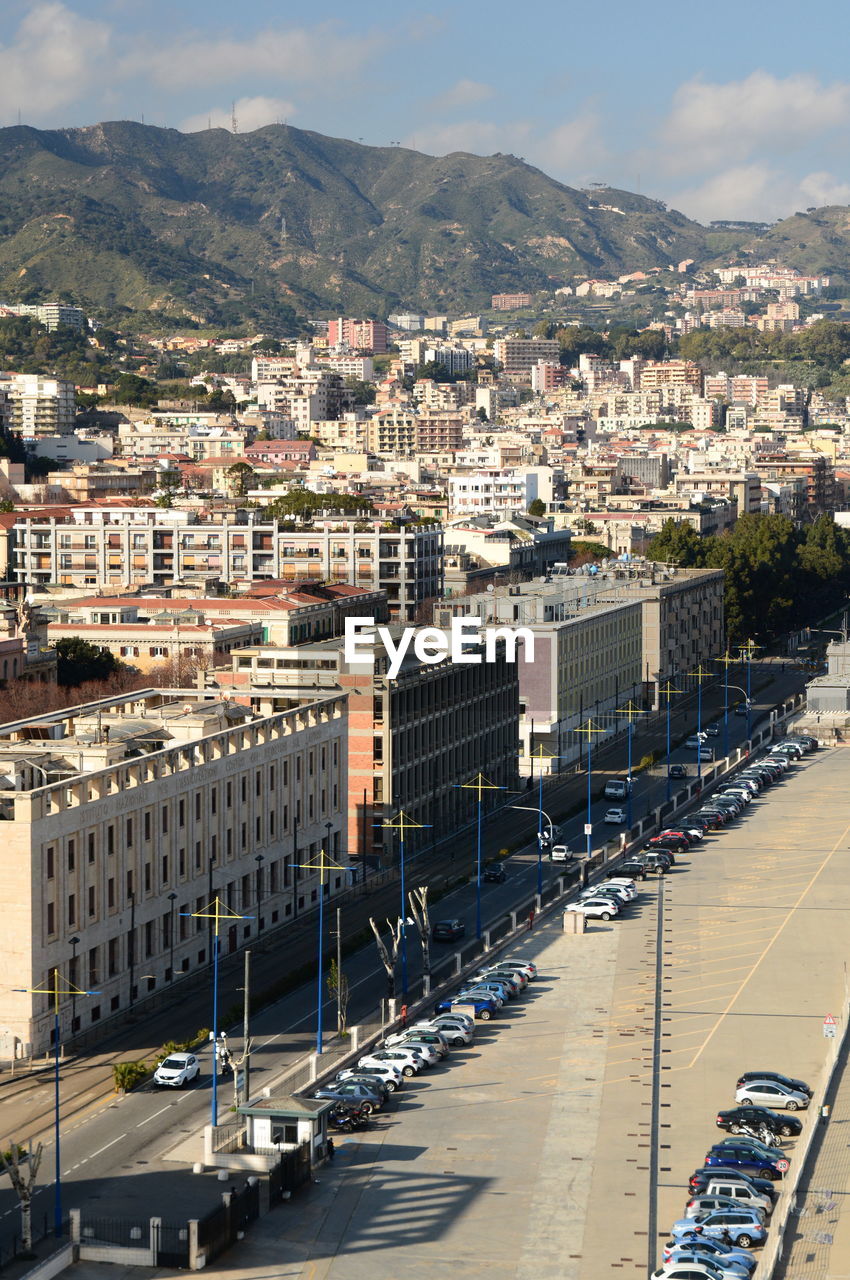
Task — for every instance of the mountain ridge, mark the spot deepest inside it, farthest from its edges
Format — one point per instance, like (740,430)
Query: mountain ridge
(216,225)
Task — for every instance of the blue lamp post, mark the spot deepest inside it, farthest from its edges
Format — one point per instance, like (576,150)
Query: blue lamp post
(699,674)
(746,651)
(402,823)
(479,784)
(667,690)
(587,730)
(727,661)
(55,991)
(631,711)
(215,912)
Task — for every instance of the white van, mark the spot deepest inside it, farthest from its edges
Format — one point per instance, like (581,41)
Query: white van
(560,853)
(617,789)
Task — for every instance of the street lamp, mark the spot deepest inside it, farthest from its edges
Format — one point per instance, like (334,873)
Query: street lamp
(667,690)
(727,661)
(215,912)
(588,729)
(56,990)
(402,823)
(699,675)
(324,864)
(131,947)
(259,859)
(746,651)
(75,942)
(172,898)
(541,755)
(631,711)
(541,837)
(479,784)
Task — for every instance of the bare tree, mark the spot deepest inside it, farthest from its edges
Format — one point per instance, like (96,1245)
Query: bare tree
(338,990)
(418,899)
(23,1176)
(388,957)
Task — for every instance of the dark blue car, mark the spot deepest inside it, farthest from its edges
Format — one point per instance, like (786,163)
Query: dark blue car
(484,1009)
(766,1162)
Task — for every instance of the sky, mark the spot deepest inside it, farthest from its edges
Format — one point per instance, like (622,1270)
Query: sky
(733,110)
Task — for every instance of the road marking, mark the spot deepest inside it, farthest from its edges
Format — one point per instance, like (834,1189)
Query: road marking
(106,1148)
(161,1111)
(839,842)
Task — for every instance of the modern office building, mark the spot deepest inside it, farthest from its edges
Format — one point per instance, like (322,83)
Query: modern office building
(123,819)
(37,406)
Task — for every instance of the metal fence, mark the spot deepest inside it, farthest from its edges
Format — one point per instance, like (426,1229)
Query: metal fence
(291,1172)
(131,1234)
(11,1245)
(171,1244)
(215,1233)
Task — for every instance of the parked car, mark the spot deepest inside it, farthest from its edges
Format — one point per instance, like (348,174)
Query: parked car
(448,930)
(427,1052)
(770,1093)
(750,1156)
(743,1227)
(623,882)
(371,1079)
(634,869)
(434,1038)
(778,1078)
(177,1070)
(705,1201)
(706,1246)
(528,965)
(368,1099)
(456,1034)
(705,1180)
(675,840)
(659,863)
(736,1189)
(615,816)
(597,908)
(609,889)
(494,873)
(485,1007)
(405,1059)
(518,975)
(743,1118)
(691,1269)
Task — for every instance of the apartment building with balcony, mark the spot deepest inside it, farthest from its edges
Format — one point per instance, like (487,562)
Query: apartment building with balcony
(126,816)
(126,548)
(37,406)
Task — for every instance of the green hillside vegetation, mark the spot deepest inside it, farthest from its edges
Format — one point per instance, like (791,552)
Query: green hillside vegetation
(217,227)
(778,576)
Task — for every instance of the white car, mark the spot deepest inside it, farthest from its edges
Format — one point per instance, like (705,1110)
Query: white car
(177,1070)
(770,1093)
(408,1061)
(528,965)
(595,908)
(623,889)
(439,1041)
(427,1052)
(626,883)
(457,1034)
(688,1265)
(616,816)
(385,1071)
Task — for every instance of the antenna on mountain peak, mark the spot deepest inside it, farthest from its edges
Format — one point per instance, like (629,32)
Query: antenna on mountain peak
(234,123)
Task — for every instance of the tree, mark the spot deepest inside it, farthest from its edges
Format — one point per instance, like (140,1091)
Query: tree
(79,661)
(360,392)
(678,543)
(23,1180)
(337,984)
(418,899)
(388,955)
(303,503)
(239,475)
(537,507)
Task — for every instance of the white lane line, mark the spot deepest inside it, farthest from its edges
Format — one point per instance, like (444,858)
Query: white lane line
(161,1111)
(106,1148)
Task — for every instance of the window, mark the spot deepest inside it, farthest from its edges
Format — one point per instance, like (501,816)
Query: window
(129,833)
(197,806)
(92,903)
(244,783)
(112,957)
(51,918)
(147,877)
(229,795)
(72,855)
(72,908)
(49,858)
(91,848)
(147,825)
(110,839)
(149,938)
(214,800)
(110,892)
(181,813)
(181,863)
(165,868)
(129,884)
(164,819)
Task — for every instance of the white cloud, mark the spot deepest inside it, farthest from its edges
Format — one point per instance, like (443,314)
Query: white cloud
(759,191)
(570,152)
(251,113)
(318,55)
(712,124)
(462,94)
(51,62)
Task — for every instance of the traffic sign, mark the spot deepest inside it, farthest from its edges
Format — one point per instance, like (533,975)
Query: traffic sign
(829,1021)
(588,828)
(829,1028)
(783,1166)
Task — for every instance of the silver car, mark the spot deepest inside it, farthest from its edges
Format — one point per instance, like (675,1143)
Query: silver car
(770,1093)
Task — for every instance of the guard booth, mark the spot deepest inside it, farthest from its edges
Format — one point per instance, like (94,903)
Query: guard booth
(283,1124)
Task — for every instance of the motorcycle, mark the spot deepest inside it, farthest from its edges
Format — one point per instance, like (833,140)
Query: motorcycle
(346,1119)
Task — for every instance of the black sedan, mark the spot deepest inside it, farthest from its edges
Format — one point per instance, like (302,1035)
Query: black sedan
(448,930)
(752,1118)
(788,1081)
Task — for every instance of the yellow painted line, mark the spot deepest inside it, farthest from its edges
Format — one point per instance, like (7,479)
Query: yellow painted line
(841,840)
